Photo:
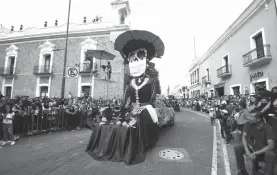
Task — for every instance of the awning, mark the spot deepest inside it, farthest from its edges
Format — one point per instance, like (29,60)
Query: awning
(219,85)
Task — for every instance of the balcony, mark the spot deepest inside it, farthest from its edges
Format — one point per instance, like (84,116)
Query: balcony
(86,68)
(224,71)
(8,71)
(206,80)
(194,85)
(43,70)
(257,57)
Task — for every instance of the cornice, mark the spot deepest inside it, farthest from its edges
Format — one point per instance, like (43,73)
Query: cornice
(244,17)
(62,34)
(195,85)
(59,31)
(195,64)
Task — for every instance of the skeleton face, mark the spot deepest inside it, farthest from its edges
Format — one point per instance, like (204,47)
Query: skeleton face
(137,62)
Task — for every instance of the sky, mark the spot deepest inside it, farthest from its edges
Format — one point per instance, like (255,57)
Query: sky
(176,22)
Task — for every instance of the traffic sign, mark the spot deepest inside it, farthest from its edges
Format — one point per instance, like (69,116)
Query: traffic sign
(72,72)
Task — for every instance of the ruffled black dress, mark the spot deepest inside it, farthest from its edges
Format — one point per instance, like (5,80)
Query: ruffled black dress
(119,143)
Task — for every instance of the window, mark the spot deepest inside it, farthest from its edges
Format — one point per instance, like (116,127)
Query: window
(88,63)
(86,89)
(208,74)
(46,63)
(11,65)
(236,90)
(44,91)
(226,63)
(259,45)
(122,19)
(8,91)
(197,75)
(47,59)
(260,86)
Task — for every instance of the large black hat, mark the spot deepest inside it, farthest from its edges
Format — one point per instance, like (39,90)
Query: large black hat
(132,40)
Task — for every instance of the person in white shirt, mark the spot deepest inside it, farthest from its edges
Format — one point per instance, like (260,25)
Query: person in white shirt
(8,126)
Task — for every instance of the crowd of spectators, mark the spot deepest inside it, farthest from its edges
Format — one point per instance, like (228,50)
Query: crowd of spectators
(250,119)
(26,116)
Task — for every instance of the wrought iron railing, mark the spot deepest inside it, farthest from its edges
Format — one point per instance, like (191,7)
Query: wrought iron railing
(205,79)
(8,71)
(224,70)
(44,69)
(256,54)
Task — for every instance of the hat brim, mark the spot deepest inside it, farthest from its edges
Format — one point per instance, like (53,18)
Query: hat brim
(132,40)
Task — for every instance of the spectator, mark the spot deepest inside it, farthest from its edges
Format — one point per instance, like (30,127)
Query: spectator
(71,113)
(257,145)
(226,113)
(1,95)
(243,115)
(254,103)
(8,126)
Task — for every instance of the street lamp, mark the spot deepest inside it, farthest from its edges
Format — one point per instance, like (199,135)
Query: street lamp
(65,53)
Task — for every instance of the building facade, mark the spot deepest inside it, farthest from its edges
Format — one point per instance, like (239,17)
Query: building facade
(243,60)
(194,88)
(32,60)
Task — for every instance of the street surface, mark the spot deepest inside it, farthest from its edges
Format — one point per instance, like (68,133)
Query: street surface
(64,153)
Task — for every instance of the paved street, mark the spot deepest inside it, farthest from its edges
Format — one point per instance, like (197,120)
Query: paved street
(63,153)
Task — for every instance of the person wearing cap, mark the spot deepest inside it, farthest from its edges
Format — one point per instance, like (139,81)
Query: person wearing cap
(257,144)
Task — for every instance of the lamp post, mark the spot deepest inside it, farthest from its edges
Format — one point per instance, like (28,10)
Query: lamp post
(65,53)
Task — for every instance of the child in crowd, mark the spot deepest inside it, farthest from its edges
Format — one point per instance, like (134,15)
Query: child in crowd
(212,114)
(8,126)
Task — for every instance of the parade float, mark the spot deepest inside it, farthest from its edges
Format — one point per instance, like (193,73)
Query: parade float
(143,113)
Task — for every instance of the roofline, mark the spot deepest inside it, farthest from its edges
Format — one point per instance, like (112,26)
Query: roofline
(60,34)
(234,27)
(194,65)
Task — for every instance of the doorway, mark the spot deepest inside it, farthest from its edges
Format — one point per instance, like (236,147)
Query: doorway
(226,63)
(44,91)
(8,91)
(219,91)
(259,45)
(86,90)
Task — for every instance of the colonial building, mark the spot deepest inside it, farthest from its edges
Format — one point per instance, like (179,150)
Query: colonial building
(243,60)
(194,87)
(185,86)
(32,59)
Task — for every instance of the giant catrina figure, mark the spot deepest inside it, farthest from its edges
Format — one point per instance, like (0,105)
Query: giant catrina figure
(139,130)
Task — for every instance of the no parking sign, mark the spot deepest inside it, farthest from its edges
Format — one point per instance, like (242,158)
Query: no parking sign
(72,72)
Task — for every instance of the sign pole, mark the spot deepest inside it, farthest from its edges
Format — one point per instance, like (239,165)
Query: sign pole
(108,90)
(65,53)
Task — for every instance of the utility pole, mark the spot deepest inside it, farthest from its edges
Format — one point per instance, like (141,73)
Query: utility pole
(194,47)
(65,53)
